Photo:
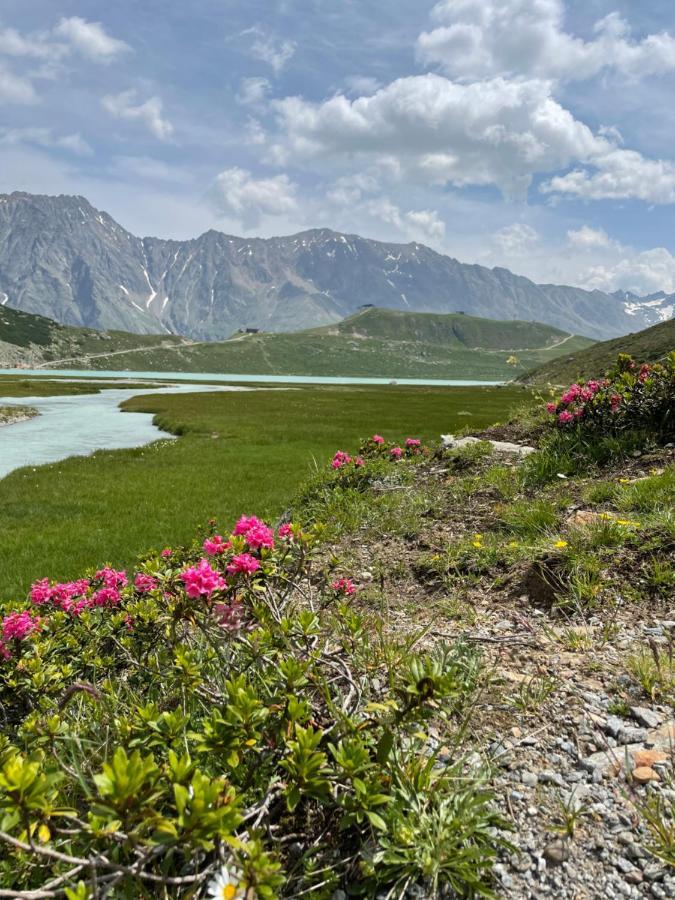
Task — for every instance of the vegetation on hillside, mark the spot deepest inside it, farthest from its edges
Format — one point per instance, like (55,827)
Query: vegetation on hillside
(333,703)
(651,345)
(372,343)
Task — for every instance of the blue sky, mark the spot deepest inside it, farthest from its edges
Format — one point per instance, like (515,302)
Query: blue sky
(535,134)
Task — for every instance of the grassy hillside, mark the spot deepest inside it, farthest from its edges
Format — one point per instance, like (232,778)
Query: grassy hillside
(27,339)
(374,342)
(646,346)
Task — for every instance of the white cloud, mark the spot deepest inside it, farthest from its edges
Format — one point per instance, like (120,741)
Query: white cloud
(276,53)
(424,224)
(362,84)
(253,91)
(618,174)
(441,132)
(484,38)
(587,238)
(14,88)
(122,106)
(236,193)
(38,45)
(90,39)
(349,189)
(44,137)
(516,239)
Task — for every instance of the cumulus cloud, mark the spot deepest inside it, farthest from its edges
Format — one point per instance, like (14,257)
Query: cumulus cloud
(618,174)
(38,45)
(587,238)
(123,106)
(484,38)
(349,189)
(491,132)
(516,239)
(362,84)
(237,194)
(90,39)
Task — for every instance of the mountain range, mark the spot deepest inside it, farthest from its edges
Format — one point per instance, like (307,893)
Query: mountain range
(62,258)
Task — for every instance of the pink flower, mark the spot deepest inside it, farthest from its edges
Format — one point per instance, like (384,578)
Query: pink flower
(144,583)
(216,545)
(245,524)
(166,552)
(377,439)
(359,461)
(571,394)
(129,622)
(107,596)
(586,394)
(565,417)
(413,442)
(260,536)
(41,592)
(18,626)
(4,652)
(578,413)
(111,578)
(396,452)
(340,459)
(286,531)
(201,580)
(593,386)
(615,402)
(244,564)
(344,586)
(551,408)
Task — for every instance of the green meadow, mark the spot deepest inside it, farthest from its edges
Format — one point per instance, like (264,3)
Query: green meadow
(239,452)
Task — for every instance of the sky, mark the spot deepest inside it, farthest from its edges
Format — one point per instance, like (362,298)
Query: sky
(531,134)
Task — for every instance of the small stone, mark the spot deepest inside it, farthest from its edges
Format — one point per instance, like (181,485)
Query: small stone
(632,735)
(529,779)
(556,852)
(624,865)
(644,774)
(648,758)
(548,777)
(646,717)
(634,877)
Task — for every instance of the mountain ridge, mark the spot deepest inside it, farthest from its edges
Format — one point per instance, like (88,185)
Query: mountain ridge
(61,257)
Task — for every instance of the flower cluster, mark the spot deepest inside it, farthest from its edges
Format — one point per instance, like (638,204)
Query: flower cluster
(342,459)
(16,627)
(376,446)
(631,397)
(201,580)
(345,587)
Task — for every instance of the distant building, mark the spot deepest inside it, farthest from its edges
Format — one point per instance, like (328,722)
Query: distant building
(252,330)
(367,306)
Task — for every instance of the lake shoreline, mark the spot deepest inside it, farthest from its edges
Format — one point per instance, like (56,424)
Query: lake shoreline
(12,415)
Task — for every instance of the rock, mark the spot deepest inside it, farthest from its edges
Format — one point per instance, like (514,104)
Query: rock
(644,774)
(632,735)
(556,852)
(646,717)
(647,758)
(548,777)
(450,442)
(529,779)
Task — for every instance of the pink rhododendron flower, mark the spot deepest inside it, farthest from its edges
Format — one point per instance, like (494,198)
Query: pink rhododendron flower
(377,439)
(413,442)
(144,583)
(565,417)
(344,586)
(166,552)
(216,545)
(260,536)
(359,461)
(286,531)
(41,591)
(551,407)
(201,580)
(614,402)
(4,652)
(107,596)
(396,452)
(129,622)
(571,394)
(18,626)
(111,578)
(245,524)
(340,459)
(244,564)
(593,386)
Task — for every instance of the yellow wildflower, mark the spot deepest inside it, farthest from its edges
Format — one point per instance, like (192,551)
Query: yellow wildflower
(560,544)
